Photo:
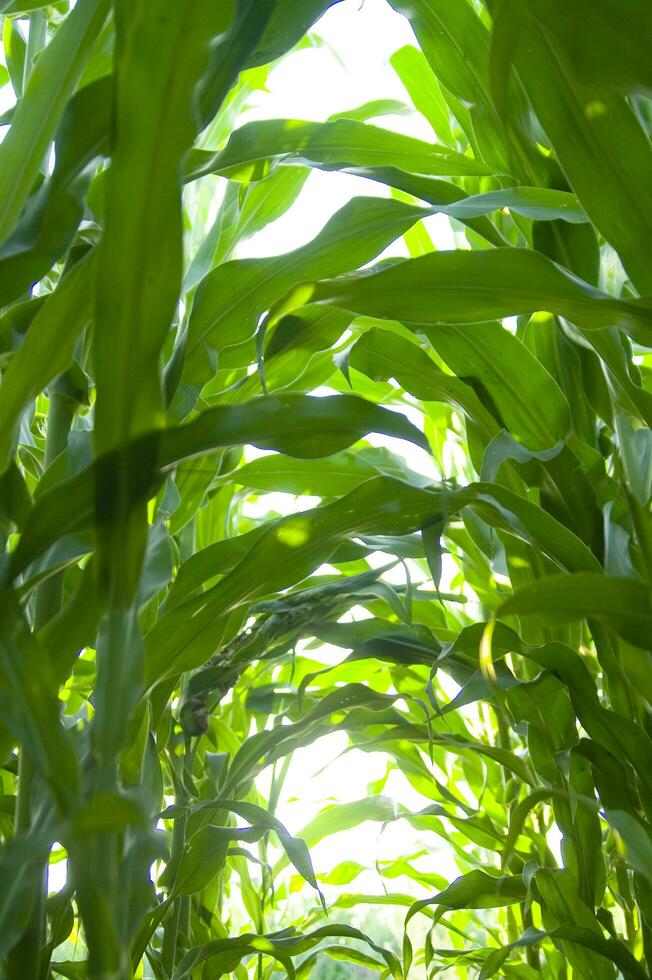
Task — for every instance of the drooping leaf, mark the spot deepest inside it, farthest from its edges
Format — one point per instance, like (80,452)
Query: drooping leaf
(289,424)
(336,145)
(586,123)
(436,289)
(37,115)
(230,300)
(623,603)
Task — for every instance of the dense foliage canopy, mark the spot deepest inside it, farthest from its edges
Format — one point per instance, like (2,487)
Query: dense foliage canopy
(168,630)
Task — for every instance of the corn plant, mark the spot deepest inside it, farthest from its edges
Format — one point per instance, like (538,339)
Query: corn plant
(164,653)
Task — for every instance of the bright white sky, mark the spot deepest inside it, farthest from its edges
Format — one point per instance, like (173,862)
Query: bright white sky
(349,69)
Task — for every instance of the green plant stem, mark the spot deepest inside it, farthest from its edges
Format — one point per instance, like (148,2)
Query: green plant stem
(278,779)
(504,741)
(61,412)
(531,952)
(174,922)
(185,915)
(24,961)
(35,42)
(646,933)
(171,927)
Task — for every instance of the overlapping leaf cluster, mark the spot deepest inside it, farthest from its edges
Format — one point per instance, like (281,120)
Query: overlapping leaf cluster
(160,648)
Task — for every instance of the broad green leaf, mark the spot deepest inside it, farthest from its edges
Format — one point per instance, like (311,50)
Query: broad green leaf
(248,21)
(443,195)
(298,425)
(14,7)
(105,812)
(73,628)
(230,300)
(199,567)
(331,477)
(561,904)
(56,209)
(264,748)
(611,949)
(615,52)
(297,343)
(339,817)
(15,50)
(622,374)
(289,551)
(501,508)
(505,281)
(423,88)
(264,202)
(477,890)
(638,843)
(383,355)
(288,22)
(522,394)
(37,116)
(504,447)
(19,864)
(622,737)
(202,860)
(280,946)
(622,603)
(343,954)
(139,263)
(291,548)
(456,44)
(31,707)
(537,203)
(296,848)
(47,349)
(335,145)
(586,125)
(41,238)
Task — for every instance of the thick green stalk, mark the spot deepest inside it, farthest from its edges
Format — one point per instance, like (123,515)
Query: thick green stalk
(24,961)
